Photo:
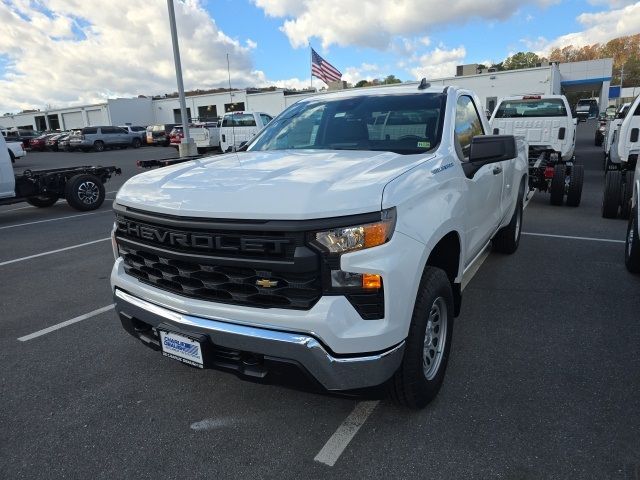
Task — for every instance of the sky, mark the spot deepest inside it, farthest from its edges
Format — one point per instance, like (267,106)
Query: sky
(59,53)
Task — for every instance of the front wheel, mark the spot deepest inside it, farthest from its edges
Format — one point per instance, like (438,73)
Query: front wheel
(84,192)
(421,373)
(632,247)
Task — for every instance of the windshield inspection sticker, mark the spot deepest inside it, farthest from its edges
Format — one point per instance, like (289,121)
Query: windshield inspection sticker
(424,144)
(442,168)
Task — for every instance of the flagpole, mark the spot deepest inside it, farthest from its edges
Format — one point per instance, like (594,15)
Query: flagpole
(311,66)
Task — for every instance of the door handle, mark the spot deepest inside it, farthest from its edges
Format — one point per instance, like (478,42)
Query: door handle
(497,170)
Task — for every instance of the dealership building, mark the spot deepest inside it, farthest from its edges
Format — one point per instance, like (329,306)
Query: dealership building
(592,78)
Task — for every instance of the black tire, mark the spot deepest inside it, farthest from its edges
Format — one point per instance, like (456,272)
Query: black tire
(136,143)
(632,246)
(98,146)
(508,238)
(574,191)
(627,192)
(12,156)
(556,190)
(611,196)
(84,192)
(419,378)
(42,201)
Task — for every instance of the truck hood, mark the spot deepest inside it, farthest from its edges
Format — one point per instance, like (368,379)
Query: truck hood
(276,185)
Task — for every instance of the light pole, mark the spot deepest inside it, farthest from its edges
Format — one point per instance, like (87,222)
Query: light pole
(187,147)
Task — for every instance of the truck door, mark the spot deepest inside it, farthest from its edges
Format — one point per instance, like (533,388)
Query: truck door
(7,178)
(483,201)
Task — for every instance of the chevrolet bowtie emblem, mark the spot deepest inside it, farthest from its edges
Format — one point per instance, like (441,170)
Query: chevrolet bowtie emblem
(266,283)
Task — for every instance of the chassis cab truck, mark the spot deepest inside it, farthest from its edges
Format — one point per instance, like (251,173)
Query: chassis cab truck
(333,247)
(82,187)
(546,123)
(623,157)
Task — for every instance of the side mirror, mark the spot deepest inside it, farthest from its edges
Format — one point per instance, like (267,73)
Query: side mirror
(242,144)
(634,135)
(486,149)
(492,148)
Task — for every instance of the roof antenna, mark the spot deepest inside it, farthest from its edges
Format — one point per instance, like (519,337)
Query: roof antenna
(423,84)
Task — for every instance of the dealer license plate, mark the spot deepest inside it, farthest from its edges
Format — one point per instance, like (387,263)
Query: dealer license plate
(181,348)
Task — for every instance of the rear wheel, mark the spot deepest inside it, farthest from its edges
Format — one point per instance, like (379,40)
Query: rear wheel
(632,247)
(136,143)
(574,191)
(42,201)
(557,187)
(508,238)
(627,191)
(421,373)
(84,192)
(98,146)
(611,196)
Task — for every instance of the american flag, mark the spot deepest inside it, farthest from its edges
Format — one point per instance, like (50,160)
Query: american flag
(323,70)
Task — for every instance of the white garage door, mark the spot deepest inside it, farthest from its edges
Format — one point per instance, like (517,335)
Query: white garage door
(72,120)
(95,117)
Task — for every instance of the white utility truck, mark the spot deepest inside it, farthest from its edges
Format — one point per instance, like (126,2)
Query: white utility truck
(611,132)
(82,187)
(206,136)
(238,128)
(623,157)
(546,123)
(334,245)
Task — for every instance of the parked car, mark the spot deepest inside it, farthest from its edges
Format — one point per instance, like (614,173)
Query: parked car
(52,141)
(159,134)
(63,142)
(140,132)
(16,150)
(176,135)
(21,135)
(586,108)
(102,137)
(40,143)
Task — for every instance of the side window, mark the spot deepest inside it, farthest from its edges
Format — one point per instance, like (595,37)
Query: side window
(265,118)
(468,124)
(89,131)
(226,122)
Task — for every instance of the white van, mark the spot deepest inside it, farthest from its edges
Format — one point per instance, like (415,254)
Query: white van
(239,127)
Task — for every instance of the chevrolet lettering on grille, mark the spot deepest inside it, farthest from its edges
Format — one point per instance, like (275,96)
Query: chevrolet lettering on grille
(202,241)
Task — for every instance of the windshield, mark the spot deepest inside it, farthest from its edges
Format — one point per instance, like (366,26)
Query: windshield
(551,107)
(403,123)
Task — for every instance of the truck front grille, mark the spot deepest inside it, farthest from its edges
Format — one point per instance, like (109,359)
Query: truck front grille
(223,283)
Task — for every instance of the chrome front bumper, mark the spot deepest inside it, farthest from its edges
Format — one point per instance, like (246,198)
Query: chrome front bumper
(332,372)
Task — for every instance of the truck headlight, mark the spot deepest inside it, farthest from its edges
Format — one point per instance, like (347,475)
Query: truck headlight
(358,237)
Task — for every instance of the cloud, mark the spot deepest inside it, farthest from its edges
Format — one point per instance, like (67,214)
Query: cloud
(65,52)
(599,27)
(375,23)
(438,63)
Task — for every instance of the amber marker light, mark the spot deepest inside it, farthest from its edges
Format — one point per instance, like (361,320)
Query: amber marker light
(371,281)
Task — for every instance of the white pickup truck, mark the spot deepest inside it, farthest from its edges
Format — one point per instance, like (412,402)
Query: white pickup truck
(335,245)
(546,123)
(623,157)
(16,149)
(238,128)
(206,136)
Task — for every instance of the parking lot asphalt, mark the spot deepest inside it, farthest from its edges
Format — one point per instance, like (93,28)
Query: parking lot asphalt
(543,379)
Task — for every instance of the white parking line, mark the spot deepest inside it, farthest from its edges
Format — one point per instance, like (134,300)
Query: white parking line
(58,326)
(54,219)
(51,252)
(346,431)
(570,237)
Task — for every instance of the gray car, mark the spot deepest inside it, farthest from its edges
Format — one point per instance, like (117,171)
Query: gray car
(101,137)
